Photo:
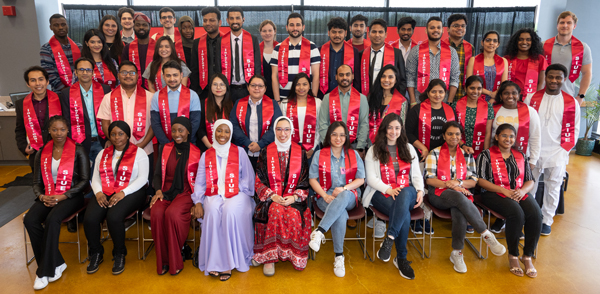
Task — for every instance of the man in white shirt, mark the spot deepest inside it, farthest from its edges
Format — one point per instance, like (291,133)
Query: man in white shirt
(406,29)
(559,121)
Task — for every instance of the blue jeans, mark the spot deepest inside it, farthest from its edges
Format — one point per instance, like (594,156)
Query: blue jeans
(95,148)
(336,216)
(398,212)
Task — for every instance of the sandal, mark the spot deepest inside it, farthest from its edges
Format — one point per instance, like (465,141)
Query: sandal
(213,274)
(515,270)
(165,269)
(177,272)
(225,276)
(529,271)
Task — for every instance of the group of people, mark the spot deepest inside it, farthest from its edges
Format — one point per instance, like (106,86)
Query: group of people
(195,129)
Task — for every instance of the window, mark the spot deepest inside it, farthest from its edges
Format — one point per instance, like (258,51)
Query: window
(92,2)
(429,3)
(163,3)
(257,2)
(505,3)
(357,3)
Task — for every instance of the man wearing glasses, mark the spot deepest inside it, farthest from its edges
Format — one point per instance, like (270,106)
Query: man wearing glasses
(457,27)
(168,20)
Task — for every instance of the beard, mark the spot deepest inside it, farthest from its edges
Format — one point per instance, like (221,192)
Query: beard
(142,36)
(431,38)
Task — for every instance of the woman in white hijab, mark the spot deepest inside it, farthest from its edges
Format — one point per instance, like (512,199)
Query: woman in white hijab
(282,185)
(223,203)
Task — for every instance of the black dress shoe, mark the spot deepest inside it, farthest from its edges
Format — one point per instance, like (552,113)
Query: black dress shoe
(119,265)
(95,260)
(72,226)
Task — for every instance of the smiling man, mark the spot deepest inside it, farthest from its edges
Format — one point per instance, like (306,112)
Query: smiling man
(457,27)
(406,29)
(173,101)
(141,50)
(168,20)
(358,27)
(125,15)
(559,123)
(57,56)
(206,52)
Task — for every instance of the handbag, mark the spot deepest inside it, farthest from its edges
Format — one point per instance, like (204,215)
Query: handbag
(261,212)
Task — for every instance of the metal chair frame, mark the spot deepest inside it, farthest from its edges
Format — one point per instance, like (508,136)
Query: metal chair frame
(418,214)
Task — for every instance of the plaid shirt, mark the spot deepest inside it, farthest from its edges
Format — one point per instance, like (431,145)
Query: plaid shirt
(431,165)
(460,51)
(48,63)
(412,64)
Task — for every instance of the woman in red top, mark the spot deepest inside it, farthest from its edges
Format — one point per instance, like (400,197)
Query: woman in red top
(526,61)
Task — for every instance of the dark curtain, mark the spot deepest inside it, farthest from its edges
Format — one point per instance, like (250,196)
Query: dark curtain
(480,20)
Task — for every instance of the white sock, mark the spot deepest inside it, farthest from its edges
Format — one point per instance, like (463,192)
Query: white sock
(456,252)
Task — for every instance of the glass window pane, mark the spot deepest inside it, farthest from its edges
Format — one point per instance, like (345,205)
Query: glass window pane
(505,3)
(94,2)
(356,3)
(257,2)
(428,3)
(173,2)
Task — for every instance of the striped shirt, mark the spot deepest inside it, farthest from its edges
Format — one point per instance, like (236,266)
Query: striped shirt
(432,160)
(412,64)
(484,168)
(293,63)
(48,63)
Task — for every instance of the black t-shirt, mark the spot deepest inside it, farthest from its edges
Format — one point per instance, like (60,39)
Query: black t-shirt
(438,119)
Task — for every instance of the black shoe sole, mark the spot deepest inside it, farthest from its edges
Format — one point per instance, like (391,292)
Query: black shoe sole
(97,268)
(119,272)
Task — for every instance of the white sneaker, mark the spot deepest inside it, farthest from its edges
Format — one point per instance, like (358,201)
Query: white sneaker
(338,266)
(58,272)
(495,246)
(40,283)
(370,223)
(380,229)
(458,261)
(316,239)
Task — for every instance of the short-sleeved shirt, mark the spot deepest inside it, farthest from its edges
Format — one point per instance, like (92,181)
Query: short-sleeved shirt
(470,119)
(338,176)
(562,54)
(484,169)
(520,70)
(432,161)
(293,63)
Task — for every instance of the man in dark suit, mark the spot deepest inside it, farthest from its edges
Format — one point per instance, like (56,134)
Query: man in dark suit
(378,55)
(83,100)
(33,112)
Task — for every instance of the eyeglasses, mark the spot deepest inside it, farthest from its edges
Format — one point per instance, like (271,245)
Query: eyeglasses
(221,85)
(85,70)
(284,130)
(338,135)
(167,17)
(457,26)
(257,86)
(490,40)
(127,73)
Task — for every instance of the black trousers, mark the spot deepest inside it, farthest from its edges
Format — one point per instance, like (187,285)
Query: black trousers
(115,218)
(525,213)
(44,239)
(238,92)
(253,161)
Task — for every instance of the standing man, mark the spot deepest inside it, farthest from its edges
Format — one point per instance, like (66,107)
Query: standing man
(457,27)
(173,101)
(33,113)
(335,53)
(406,28)
(348,105)
(559,121)
(244,51)
(168,20)
(141,50)
(358,26)
(57,56)
(377,56)
(575,55)
(206,52)
(125,15)
(432,60)
(298,54)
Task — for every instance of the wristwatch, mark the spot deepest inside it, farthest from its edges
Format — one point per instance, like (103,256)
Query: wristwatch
(460,182)
(345,189)
(581,96)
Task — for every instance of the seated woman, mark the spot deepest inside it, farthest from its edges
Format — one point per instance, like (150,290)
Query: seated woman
(216,106)
(507,184)
(394,187)
(56,198)
(336,174)
(120,174)
(223,200)
(284,187)
(174,178)
(449,173)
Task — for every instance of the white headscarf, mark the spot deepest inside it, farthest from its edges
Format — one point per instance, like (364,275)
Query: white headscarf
(223,152)
(283,146)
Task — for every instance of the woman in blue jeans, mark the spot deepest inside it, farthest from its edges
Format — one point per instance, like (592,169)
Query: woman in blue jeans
(335,174)
(394,187)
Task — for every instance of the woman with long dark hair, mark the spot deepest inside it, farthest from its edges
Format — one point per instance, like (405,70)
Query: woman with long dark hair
(336,174)
(163,52)
(217,105)
(109,26)
(384,98)
(394,187)
(526,61)
(488,65)
(95,48)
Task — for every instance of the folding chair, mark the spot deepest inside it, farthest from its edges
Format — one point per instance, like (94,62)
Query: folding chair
(415,214)
(145,215)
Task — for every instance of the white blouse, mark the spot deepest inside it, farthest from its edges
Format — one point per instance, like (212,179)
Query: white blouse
(301,116)
(139,174)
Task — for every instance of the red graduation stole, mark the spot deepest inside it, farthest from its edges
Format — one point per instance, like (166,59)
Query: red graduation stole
(76,111)
(348,60)
(424,65)
(389,177)
(395,106)
(365,64)
(109,79)
(232,172)
(134,56)
(276,174)
(247,55)
(444,166)
(468,54)
(210,124)
(64,175)
(425,120)
(479,70)
(282,64)
(110,184)
(203,59)
(192,163)
(576,56)
(267,113)
(32,125)
(531,76)
(335,110)
(523,131)
(158,79)
(501,173)
(178,43)
(139,111)
(349,170)
(262,49)
(183,108)
(567,133)
(310,122)
(480,122)
(60,59)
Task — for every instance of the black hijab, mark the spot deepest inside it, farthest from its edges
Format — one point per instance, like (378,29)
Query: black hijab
(183,154)
(127,130)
